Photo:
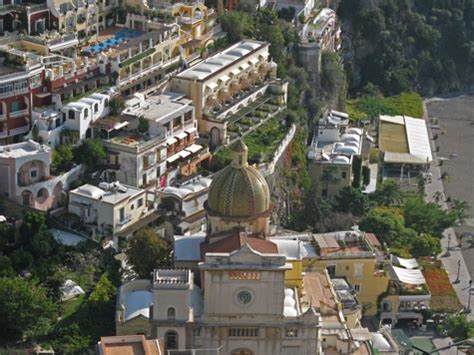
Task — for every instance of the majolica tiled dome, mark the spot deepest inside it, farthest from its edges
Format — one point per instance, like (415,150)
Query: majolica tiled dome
(239,190)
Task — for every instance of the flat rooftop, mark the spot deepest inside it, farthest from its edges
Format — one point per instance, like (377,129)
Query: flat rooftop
(23,149)
(158,107)
(227,57)
(113,195)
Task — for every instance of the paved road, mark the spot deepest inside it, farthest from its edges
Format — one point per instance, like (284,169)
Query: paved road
(456,256)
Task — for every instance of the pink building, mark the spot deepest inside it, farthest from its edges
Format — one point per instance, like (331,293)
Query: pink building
(26,179)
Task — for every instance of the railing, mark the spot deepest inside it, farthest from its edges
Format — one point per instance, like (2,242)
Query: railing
(19,113)
(14,92)
(140,73)
(124,221)
(3,117)
(20,7)
(20,130)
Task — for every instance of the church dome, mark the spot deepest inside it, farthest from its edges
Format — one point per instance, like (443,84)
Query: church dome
(239,190)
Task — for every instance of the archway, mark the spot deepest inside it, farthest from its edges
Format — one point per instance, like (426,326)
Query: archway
(171,340)
(42,194)
(58,195)
(215,136)
(242,352)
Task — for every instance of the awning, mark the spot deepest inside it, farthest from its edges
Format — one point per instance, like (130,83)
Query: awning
(224,78)
(181,135)
(244,66)
(191,130)
(173,158)
(184,154)
(253,60)
(406,263)
(235,71)
(171,141)
(194,148)
(412,277)
(212,86)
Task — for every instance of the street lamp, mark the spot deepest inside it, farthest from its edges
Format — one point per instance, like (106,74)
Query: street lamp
(471,292)
(459,269)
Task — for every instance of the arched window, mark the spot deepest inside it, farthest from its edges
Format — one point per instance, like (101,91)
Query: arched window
(242,352)
(171,340)
(171,313)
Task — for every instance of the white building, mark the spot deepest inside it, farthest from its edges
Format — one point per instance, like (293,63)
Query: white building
(79,115)
(186,203)
(113,210)
(25,176)
(171,115)
(75,116)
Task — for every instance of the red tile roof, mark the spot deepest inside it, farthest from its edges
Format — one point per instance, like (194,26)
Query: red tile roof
(372,239)
(234,241)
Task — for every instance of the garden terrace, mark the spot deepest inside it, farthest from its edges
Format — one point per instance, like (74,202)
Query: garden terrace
(401,289)
(262,142)
(443,296)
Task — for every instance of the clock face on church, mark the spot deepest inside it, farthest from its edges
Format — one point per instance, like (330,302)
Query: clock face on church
(244,297)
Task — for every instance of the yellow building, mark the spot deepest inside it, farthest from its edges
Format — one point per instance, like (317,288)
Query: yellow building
(353,255)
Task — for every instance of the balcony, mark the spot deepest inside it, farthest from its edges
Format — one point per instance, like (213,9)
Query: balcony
(19,113)
(125,220)
(13,92)
(3,117)
(20,130)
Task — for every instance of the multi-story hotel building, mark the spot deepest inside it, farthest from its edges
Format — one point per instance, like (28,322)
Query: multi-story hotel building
(222,85)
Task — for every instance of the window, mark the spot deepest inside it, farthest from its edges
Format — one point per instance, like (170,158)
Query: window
(344,174)
(347,268)
(36,80)
(358,270)
(291,332)
(122,214)
(106,103)
(70,115)
(140,202)
(86,113)
(242,352)
(15,106)
(357,288)
(331,270)
(243,332)
(171,313)
(96,108)
(132,207)
(33,173)
(171,340)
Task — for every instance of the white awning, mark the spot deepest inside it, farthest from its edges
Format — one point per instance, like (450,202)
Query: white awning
(244,66)
(171,141)
(173,158)
(194,148)
(184,154)
(191,130)
(253,60)
(181,135)
(224,78)
(235,71)
(212,86)
(406,263)
(412,277)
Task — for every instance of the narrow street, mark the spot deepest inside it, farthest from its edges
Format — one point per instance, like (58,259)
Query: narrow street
(432,189)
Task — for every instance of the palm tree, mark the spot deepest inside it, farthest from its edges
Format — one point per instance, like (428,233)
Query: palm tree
(389,194)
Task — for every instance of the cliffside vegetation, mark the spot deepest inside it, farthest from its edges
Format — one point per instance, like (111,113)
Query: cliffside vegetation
(405,45)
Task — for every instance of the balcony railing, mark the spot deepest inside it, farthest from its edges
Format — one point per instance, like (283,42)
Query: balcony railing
(14,92)
(125,220)
(19,113)
(20,130)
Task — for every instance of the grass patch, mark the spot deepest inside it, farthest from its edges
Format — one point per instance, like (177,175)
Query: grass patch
(364,108)
(443,295)
(261,143)
(71,306)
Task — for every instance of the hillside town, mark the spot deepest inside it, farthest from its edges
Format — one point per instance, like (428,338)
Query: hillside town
(195,178)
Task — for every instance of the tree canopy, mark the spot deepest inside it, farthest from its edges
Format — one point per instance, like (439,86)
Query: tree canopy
(25,309)
(146,251)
